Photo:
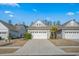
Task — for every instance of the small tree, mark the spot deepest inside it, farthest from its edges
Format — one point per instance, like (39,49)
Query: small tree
(27,35)
(53,31)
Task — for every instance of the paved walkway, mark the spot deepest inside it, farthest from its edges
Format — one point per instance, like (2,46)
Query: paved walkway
(39,47)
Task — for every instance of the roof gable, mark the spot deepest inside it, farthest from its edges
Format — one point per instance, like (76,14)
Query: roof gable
(39,24)
(71,23)
(2,27)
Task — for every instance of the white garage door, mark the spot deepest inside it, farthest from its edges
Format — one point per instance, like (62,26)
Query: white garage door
(71,35)
(39,35)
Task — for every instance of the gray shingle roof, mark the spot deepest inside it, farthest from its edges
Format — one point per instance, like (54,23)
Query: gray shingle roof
(47,27)
(70,21)
(70,27)
(9,26)
(40,28)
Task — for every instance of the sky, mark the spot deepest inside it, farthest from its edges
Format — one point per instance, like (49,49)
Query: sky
(30,12)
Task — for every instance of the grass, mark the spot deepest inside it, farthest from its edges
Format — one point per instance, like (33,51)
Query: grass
(72,50)
(64,42)
(7,50)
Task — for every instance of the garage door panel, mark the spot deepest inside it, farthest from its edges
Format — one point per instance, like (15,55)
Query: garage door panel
(39,36)
(71,35)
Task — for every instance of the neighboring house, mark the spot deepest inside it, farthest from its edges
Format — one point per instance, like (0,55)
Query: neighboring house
(39,30)
(21,29)
(69,30)
(8,30)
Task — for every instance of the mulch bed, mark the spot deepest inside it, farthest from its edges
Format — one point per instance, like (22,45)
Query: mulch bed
(64,42)
(15,42)
(7,50)
(5,43)
(71,50)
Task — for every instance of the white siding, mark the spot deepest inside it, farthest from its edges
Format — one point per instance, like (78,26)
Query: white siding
(40,34)
(70,34)
(39,24)
(4,32)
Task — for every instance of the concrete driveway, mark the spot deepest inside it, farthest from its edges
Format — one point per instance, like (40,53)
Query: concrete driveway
(39,47)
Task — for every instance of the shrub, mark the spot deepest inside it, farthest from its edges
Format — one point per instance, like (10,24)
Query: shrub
(27,35)
(0,38)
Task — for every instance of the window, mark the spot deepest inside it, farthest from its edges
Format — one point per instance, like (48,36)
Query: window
(2,32)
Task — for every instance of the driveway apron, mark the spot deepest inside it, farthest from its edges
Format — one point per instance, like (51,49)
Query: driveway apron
(39,47)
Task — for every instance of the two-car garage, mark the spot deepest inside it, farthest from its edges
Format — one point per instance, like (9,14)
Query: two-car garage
(71,34)
(39,35)
(39,30)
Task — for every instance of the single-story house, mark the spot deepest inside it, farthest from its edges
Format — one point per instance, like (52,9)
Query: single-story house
(11,31)
(39,30)
(68,30)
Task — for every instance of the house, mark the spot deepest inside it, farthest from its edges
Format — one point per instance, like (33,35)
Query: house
(21,30)
(9,30)
(39,30)
(70,30)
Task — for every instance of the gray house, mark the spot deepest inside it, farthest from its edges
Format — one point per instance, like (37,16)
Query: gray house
(21,29)
(8,30)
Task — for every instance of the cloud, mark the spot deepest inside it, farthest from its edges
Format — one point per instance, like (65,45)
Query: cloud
(8,12)
(11,15)
(11,4)
(35,10)
(70,13)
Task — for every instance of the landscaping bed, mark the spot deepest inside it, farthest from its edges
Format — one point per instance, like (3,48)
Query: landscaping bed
(5,43)
(19,42)
(64,42)
(14,42)
(71,50)
(7,50)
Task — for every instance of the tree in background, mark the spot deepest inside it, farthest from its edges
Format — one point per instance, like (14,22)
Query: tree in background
(10,21)
(58,23)
(47,22)
(54,23)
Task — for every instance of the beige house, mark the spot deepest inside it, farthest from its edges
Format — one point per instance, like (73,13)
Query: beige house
(68,30)
(39,30)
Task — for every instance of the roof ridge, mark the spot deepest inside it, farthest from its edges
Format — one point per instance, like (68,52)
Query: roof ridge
(9,26)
